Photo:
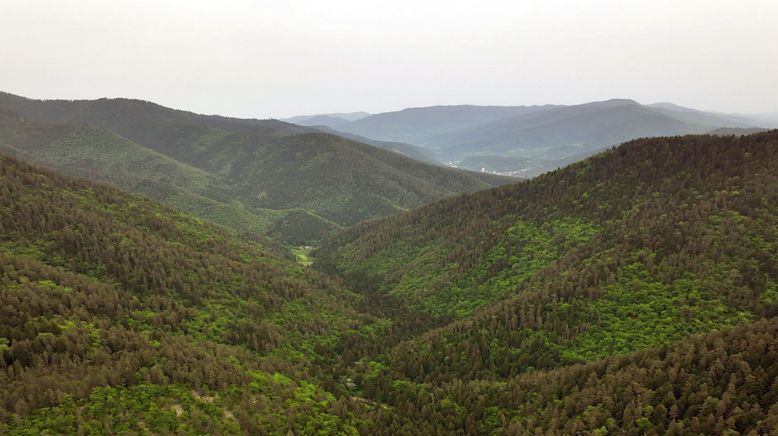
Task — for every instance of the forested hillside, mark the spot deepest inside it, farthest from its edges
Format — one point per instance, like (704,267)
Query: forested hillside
(633,293)
(721,383)
(99,154)
(262,176)
(634,248)
(435,218)
(125,315)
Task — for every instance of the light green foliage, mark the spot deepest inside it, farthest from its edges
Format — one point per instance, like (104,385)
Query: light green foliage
(303,255)
(441,289)
(525,249)
(149,409)
(638,312)
(306,408)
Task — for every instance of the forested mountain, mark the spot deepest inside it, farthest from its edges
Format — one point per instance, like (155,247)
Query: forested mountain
(530,140)
(317,120)
(725,382)
(99,154)
(632,293)
(253,175)
(474,237)
(634,248)
(126,315)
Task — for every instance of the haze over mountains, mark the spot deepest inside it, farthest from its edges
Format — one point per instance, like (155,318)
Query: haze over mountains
(263,176)
(528,140)
(329,120)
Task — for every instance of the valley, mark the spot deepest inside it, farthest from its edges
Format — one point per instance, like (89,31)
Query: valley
(350,218)
(522,306)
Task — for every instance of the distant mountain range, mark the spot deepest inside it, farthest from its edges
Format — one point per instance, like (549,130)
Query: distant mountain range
(528,140)
(329,120)
(420,126)
(261,176)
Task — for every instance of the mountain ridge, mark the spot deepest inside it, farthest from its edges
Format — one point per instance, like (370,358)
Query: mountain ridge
(266,166)
(540,134)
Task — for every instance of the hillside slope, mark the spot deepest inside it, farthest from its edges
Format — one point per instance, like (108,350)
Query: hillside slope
(633,248)
(411,151)
(329,181)
(720,383)
(126,315)
(101,155)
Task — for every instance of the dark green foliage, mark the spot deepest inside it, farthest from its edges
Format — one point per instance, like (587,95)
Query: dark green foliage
(720,383)
(79,149)
(300,227)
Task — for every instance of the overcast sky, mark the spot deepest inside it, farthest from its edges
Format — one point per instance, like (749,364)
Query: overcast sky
(254,58)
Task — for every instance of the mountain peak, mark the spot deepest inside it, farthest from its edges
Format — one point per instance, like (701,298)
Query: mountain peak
(615,102)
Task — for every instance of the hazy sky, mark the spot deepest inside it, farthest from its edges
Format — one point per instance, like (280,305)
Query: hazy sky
(285,57)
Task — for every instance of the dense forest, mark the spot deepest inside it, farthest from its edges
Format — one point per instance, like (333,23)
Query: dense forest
(293,183)
(635,292)
(633,249)
(109,299)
